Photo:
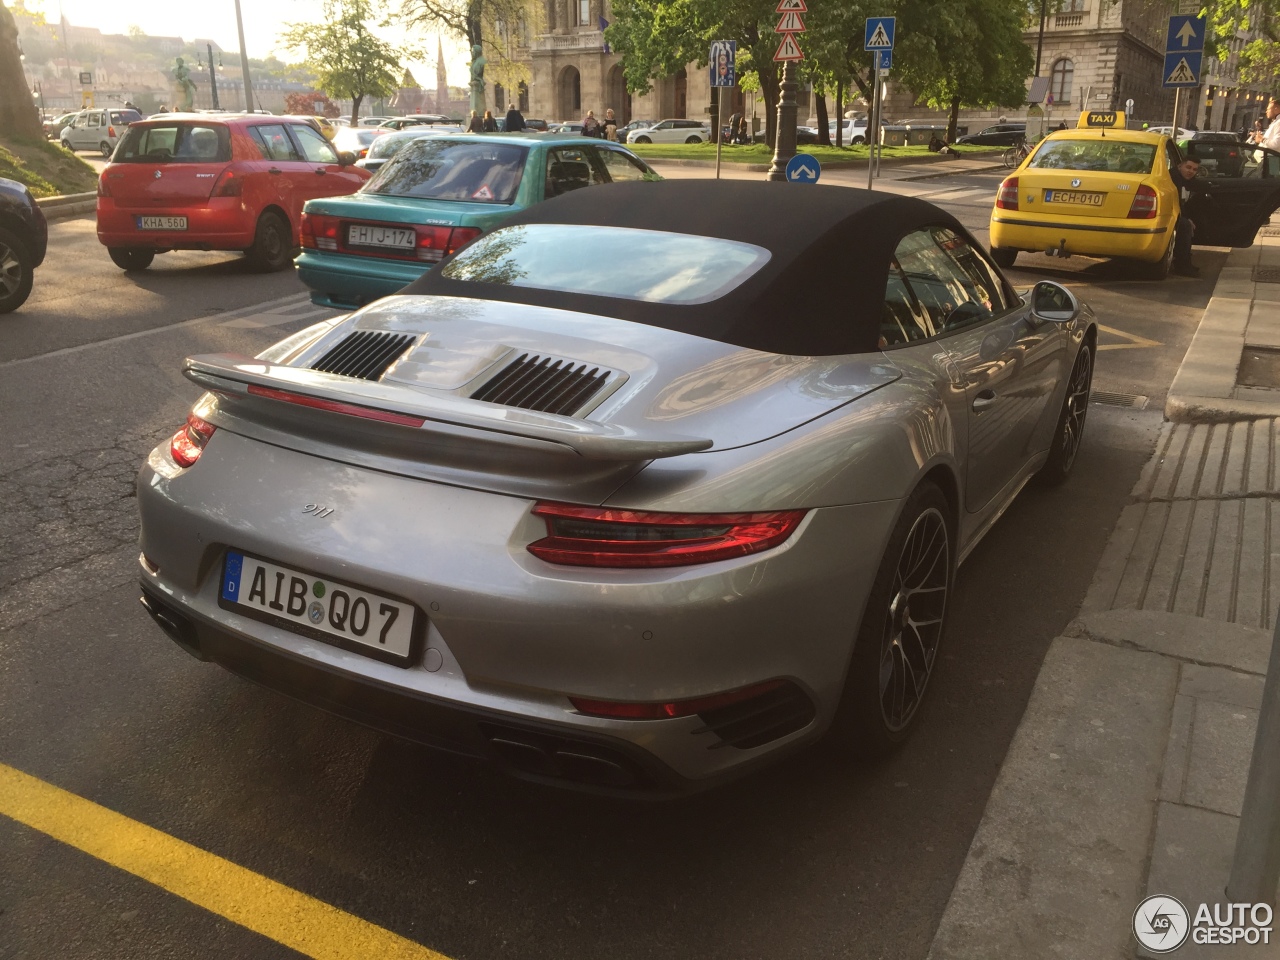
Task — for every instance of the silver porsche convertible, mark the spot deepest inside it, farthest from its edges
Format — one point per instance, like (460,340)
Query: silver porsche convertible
(634,493)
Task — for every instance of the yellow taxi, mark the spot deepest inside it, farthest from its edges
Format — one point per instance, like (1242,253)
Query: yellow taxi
(1098,190)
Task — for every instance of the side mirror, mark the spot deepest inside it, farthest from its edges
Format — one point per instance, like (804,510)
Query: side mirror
(346,158)
(1054,302)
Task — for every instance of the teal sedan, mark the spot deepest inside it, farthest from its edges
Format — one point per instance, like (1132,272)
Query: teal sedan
(435,195)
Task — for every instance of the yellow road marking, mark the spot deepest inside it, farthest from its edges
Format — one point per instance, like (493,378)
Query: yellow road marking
(281,913)
(1135,342)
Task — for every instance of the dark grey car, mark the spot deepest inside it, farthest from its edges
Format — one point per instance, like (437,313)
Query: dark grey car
(24,237)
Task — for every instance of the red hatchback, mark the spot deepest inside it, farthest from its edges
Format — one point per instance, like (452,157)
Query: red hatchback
(196,182)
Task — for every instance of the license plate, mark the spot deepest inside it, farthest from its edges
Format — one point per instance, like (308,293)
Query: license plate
(330,610)
(396,237)
(1074,196)
(161,223)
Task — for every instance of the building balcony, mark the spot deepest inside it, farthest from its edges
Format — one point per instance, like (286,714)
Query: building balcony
(592,40)
(1067,21)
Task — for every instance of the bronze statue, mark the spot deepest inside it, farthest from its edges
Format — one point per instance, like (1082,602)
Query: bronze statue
(477,78)
(186,88)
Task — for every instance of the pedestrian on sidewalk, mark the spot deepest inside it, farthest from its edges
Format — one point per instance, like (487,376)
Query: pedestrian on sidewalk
(1184,175)
(488,124)
(475,125)
(1271,139)
(515,120)
(590,125)
(610,124)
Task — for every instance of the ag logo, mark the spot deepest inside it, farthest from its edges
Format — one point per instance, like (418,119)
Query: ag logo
(1161,924)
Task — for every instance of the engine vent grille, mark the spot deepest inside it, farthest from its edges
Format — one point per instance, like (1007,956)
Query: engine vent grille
(365,354)
(546,384)
(755,722)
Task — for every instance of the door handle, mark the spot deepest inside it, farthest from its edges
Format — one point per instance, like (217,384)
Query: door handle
(321,171)
(984,399)
(274,170)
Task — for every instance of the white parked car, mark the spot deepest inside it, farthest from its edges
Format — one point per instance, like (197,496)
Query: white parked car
(98,129)
(672,131)
(854,132)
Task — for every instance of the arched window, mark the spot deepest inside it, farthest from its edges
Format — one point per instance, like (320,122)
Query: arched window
(1060,80)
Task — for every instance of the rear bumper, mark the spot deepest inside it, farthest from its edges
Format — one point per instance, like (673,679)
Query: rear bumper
(344,281)
(221,223)
(1090,236)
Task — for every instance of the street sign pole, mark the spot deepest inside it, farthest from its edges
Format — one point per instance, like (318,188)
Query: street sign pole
(719,127)
(879,39)
(1177,102)
(873,124)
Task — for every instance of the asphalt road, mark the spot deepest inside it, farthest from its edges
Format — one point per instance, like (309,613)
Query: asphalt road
(817,857)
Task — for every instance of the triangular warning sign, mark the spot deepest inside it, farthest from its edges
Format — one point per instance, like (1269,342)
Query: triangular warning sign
(792,6)
(790,23)
(788,49)
(1182,73)
(879,40)
(484,193)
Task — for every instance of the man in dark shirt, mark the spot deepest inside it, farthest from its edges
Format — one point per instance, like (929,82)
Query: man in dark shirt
(1184,175)
(515,120)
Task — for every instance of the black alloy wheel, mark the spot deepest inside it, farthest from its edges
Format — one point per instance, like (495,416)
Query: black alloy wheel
(16,272)
(66,145)
(106,150)
(693,140)
(1075,408)
(902,629)
(131,258)
(272,248)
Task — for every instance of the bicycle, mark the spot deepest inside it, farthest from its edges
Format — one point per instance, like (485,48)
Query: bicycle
(1017,153)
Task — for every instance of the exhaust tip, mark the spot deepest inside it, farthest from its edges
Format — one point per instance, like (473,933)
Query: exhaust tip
(179,629)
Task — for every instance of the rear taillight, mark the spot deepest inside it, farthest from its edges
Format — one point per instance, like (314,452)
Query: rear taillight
(319,232)
(650,710)
(604,537)
(111,131)
(436,243)
(103,189)
(189,442)
(1007,197)
(228,185)
(462,236)
(1144,204)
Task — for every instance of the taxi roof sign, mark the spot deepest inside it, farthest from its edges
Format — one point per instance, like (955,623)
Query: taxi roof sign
(1102,118)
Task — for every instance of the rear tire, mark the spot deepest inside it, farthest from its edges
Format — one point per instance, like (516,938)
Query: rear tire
(857,141)
(642,140)
(17,271)
(1004,257)
(106,150)
(693,140)
(1161,268)
(130,259)
(272,248)
(1069,433)
(895,652)
(66,145)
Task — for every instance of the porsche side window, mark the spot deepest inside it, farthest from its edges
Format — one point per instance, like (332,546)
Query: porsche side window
(950,298)
(986,285)
(902,320)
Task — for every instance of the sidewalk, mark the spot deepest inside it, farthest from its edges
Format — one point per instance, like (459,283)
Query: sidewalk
(893,168)
(1126,776)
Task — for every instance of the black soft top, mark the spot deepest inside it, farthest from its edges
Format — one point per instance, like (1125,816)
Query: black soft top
(821,293)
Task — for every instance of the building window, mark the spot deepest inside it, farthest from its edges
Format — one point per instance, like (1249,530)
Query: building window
(1073,6)
(1060,82)
(584,13)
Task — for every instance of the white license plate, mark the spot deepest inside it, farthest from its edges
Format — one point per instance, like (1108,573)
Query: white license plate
(161,223)
(1073,196)
(396,237)
(329,610)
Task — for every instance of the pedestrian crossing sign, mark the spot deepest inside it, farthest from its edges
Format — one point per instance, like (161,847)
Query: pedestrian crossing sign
(1182,69)
(880,31)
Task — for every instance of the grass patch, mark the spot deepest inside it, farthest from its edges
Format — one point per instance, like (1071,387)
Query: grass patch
(45,167)
(762,153)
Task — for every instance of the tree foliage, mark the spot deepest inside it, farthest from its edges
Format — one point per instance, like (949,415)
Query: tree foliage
(348,60)
(501,27)
(303,103)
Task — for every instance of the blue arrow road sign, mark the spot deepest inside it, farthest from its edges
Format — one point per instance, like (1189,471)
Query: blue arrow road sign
(884,60)
(803,168)
(724,63)
(879,33)
(1186,34)
(1182,69)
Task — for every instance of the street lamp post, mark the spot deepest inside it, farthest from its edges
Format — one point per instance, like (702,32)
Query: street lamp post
(213,75)
(785,142)
(244,63)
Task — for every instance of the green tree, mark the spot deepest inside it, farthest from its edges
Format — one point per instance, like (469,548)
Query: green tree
(348,60)
(657,38)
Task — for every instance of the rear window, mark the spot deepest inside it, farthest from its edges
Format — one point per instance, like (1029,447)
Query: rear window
(447,169)
(125,117)
(662,267)
(1112,156)
(388,145)
(174,143)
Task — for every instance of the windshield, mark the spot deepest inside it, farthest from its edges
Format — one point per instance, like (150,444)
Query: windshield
(661,267)
(448,169)
(1112,156)
(174,143)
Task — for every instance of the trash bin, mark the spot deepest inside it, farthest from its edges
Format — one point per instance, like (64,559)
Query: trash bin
(894,137)
(919,136)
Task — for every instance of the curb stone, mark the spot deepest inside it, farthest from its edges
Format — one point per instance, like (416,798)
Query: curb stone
(67,205)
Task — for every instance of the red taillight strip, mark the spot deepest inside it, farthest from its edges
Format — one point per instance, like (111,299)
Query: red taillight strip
(622,710)
(337,406)
(631,538)
(187,444)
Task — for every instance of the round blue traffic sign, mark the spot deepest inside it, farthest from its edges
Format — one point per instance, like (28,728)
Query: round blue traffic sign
(803,168)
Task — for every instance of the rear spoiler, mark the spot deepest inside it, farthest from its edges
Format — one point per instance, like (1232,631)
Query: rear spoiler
(240,377)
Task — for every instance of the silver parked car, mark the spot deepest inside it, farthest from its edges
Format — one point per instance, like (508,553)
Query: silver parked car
(672,131)
(634,529)
(98,129)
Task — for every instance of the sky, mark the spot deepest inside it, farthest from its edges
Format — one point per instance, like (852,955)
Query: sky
(264,20)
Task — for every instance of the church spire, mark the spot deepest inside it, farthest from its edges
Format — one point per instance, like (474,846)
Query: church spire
(442,79)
